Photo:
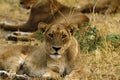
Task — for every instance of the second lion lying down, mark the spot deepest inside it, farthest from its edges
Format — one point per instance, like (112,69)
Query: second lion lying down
(48,11)
(58,56)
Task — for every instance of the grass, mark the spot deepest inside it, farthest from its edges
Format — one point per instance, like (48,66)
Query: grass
(100,44)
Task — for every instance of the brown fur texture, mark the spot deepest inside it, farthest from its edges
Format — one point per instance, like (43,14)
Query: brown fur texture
(102,6)
(58,56)
(12,57)
(48,11)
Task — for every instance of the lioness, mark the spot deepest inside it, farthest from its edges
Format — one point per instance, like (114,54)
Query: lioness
(48,11)
(58,56)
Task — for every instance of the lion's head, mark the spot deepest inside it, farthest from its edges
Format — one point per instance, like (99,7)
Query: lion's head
(27,4)
(57,38)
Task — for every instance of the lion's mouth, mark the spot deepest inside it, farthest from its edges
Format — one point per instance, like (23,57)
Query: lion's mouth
(55,56)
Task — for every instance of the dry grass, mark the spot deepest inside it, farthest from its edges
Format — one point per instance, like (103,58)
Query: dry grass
(104,63)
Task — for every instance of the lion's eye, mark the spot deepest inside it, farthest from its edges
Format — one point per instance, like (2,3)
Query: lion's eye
(64,36)
(50,35)
(21,2)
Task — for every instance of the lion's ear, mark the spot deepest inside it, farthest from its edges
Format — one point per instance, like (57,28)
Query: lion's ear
(42,27)
(72,28)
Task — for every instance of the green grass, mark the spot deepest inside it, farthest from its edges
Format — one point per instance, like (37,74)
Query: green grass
(91,40)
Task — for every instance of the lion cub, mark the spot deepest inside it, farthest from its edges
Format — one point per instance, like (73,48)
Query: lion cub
(58,56)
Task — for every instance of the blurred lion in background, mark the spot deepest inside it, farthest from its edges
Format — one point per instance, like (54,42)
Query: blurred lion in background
(101,6)
(48,11)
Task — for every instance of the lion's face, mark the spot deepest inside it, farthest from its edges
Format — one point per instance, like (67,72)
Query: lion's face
(57,39)
(27,4)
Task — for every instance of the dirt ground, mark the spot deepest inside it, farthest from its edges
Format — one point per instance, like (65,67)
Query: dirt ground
(103,63)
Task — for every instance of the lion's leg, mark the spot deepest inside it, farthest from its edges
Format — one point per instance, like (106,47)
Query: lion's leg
(10,63)
(3,74)
(37,15)
(30,25)
(22,36)
(112,8)
(78,74)
(49,74)
(12,69)
(15,27)
(21,77)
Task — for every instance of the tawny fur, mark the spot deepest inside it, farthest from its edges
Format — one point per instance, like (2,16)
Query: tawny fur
(102,6)
(57,57)
(12,57)
(46,61)
(48,11)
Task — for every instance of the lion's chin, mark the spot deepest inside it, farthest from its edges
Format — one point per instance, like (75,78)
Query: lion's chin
(55,56)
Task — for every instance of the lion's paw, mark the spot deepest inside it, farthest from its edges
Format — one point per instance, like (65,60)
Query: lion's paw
(22,36)
(3,74)
(51,76)
(21,77)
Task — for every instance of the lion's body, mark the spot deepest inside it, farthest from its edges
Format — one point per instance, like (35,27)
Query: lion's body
(102,6)
(12,57)
(58,56)
(47,59)
(48,11)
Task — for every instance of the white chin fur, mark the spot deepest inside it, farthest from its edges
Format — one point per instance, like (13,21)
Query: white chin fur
(23,9)
(55,56)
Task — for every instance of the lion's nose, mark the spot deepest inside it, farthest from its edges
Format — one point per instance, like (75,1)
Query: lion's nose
(56,48)
(28,7)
